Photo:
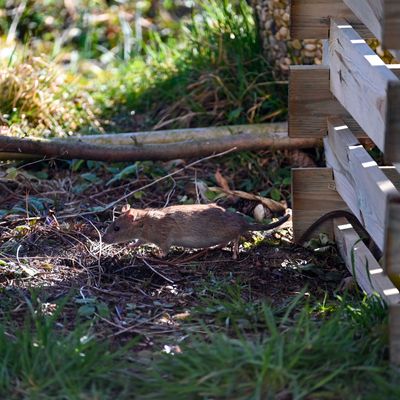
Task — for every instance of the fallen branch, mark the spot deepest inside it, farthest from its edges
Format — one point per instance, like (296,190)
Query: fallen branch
(80,149)
(183,135)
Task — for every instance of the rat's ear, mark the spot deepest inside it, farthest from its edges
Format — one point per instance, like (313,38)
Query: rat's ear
(126,208)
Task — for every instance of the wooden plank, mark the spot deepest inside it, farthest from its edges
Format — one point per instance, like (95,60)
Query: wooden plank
(313,194)
(360,182)
(392,174)
(365,268)
(310,18)
(311,103)
(325,52)
(392,133)
(394,333)
(391,257)
(381,17)
(391,28)
(370,12)
(366,87)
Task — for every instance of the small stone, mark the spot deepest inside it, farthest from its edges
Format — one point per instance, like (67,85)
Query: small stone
(296,44)
(259,212)
(310,47)
(284,31)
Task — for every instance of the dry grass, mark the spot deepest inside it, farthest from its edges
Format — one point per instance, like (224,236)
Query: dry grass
(38,98)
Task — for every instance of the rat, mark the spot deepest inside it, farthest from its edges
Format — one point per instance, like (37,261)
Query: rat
(191,226)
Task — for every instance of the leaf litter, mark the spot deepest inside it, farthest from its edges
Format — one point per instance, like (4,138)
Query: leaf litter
(128,293)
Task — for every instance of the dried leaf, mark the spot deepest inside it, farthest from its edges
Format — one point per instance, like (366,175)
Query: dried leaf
(222,182)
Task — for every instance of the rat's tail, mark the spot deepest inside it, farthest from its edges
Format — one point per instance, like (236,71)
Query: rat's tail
(272,225)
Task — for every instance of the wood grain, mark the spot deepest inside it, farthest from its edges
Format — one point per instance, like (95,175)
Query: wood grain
(394,333)
(392,174)
(365,268)
(310,19)
(392,239)
(311,103)
(381,17)
(391,262)
(313,194)
(391,28)
(359,180)
(366,87)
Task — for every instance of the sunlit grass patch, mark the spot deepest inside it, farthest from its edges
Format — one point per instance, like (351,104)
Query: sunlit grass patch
(39,98)
(298,353)
(212,74)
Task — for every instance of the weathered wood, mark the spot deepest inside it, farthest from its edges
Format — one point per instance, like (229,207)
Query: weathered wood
(381,17)
(392,239)
(391,262)
(272,130)
(365,268)
(366,87)
(392,174)
(394,333)
(313,194)
(310,18)
(325,52)
(392,137)
(359,181)
(311,103)
(73,148)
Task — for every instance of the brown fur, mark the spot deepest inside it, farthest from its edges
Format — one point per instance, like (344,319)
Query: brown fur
(190,226)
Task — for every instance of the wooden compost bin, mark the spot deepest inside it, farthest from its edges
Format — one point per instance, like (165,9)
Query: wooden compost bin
(352,97)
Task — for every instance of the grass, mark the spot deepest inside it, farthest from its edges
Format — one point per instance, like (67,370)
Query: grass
(213,74)
(38,98)
(234,344)
(42,360)
(296,351)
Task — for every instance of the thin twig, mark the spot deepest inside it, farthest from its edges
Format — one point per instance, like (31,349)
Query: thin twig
(156,272)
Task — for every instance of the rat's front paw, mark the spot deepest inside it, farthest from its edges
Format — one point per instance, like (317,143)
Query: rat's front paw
(161,253)
(135,244)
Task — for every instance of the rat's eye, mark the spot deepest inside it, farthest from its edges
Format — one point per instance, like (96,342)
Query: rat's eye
(116,228)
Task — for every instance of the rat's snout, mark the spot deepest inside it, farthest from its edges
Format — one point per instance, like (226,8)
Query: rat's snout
(106,238)
(109,235)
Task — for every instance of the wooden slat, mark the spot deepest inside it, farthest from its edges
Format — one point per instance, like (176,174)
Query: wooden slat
(313,194)
(391,262)
(311,103)
(360,182)
(382,17)
(394,333)
(392,133)
(325,52)
(365,268)
(365,86)
(391,30)
(392,174)
(392,239)
(310,18)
